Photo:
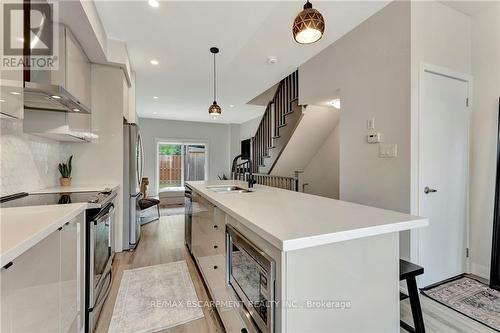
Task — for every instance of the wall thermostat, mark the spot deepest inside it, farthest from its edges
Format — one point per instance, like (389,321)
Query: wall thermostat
(373,138)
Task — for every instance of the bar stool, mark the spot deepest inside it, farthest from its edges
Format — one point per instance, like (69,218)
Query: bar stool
(408,271)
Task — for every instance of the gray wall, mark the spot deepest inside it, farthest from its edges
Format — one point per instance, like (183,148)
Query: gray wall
(370,66)
(223,143)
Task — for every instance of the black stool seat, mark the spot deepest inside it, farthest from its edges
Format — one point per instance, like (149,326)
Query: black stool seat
(148,202)
(408,271)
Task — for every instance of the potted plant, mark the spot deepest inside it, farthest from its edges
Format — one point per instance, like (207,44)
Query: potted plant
(65,170)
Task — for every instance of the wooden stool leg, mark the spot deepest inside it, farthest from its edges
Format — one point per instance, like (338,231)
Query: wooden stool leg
(416,310)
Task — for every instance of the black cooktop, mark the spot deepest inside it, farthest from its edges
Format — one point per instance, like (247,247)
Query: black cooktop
(24,199)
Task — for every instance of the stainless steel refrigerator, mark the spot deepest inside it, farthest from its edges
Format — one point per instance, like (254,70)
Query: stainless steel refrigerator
(132,174)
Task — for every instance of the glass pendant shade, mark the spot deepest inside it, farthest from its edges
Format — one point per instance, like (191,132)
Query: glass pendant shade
(308,26)
(214,110)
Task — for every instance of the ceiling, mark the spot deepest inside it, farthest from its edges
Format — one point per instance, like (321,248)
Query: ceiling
(179,35)
(468,7)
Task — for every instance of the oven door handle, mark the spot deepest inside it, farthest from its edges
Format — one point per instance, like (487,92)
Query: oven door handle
(106,293)
(103,215)
(91,262)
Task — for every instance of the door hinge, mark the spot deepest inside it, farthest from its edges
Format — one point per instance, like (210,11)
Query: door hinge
(467,102)
(467,252)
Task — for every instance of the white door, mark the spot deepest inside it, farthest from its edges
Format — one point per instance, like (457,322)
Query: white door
(443,176)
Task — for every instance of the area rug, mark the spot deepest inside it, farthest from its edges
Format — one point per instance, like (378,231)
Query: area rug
(155,298)
(469,297)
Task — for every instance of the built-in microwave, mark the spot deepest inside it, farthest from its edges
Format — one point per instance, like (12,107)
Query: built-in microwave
(251,275)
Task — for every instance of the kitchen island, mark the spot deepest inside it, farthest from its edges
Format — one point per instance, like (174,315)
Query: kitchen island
(335,264)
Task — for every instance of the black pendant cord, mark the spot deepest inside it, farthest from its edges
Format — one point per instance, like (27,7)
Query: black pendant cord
(215,82)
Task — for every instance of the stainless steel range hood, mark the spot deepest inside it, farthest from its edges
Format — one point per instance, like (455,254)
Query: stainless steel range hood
(48,97)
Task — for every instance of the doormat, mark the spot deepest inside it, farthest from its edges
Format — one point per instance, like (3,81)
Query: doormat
(469,297)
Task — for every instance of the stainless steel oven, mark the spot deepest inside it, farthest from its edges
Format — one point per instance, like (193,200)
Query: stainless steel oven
(251,275)
(99,260)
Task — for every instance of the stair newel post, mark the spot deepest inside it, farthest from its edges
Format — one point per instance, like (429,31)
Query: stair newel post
(297,179)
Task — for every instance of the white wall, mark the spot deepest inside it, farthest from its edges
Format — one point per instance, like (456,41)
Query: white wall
(102,162)
(322,173)
(223,141)
(302,146)
(249,128)
(371,67)
(484,120)
(28,162)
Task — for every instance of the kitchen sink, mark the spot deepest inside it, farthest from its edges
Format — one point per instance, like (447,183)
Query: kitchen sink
(227,189)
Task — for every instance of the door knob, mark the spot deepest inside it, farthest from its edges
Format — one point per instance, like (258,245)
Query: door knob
(428,190)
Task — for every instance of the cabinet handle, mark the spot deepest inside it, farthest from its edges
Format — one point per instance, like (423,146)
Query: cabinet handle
(216,226)
(215,246)
(10,263)
(215,267)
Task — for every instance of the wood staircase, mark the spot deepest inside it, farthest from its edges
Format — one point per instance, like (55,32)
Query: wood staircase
(278,123)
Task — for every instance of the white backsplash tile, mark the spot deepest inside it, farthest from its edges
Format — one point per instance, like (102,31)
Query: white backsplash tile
(28,162)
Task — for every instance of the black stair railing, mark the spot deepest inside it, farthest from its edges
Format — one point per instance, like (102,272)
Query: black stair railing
(274,118)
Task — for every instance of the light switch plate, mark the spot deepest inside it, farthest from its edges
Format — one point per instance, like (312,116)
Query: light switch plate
(388,150)
(370,124)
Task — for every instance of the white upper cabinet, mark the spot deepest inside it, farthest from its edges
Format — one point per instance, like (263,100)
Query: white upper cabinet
(132,115)
(77,70)
(11,80)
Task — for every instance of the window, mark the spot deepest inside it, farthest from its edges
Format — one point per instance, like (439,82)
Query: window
(179,162)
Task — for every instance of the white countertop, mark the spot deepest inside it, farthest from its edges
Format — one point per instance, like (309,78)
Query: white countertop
(75,188)
(23,227)
(292,220)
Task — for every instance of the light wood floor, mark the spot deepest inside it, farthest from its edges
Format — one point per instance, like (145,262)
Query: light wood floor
(440,319)
(163,242)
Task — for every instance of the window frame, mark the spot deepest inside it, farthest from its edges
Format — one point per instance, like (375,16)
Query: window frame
(182,142)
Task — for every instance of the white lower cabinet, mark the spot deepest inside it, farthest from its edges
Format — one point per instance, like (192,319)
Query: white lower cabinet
(40,291)
(208,242)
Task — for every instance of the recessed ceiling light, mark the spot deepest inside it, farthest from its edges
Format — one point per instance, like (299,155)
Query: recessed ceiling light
(335,103)
(155,112)
(76,110)
(155,97)
(55,97)
(231,106)
(2,100)
(15,93)
(154,62)
(154,3)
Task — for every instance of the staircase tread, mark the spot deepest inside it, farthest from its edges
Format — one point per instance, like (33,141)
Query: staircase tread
(282,125)
(276,137)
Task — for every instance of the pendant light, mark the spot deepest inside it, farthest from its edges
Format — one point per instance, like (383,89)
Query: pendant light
(308,26)
(214,110)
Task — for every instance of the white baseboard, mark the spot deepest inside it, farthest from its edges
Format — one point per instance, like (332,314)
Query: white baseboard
(480,270)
